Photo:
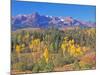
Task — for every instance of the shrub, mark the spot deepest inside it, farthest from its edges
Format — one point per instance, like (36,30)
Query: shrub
(42,66)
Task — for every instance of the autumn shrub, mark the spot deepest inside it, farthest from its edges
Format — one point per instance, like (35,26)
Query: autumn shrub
(42,66)
(88,61)
(25,62)
(85,66)
(59,60)
(19,66)
(76,65)
(35,68)
(46,54)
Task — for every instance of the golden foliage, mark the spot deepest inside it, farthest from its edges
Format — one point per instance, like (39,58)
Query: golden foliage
(63,46)
(36,42)
(23,46)
(72,48)
(18,48)
(30,46)
(46,54)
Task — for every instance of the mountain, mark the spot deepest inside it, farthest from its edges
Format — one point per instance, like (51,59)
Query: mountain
(36,20)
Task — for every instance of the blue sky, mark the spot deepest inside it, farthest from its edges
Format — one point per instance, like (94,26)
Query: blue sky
(82,12)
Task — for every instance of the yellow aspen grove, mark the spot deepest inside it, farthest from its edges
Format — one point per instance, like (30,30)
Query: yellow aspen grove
(70,47)
(63,47)
(75,51)
(78,51)
(18,48)
(23,46)
(72,50)
(30,46)
(72,41)
(35,44)
(46,54)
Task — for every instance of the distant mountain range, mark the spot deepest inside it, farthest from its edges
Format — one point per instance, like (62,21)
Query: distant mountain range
(36,20)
